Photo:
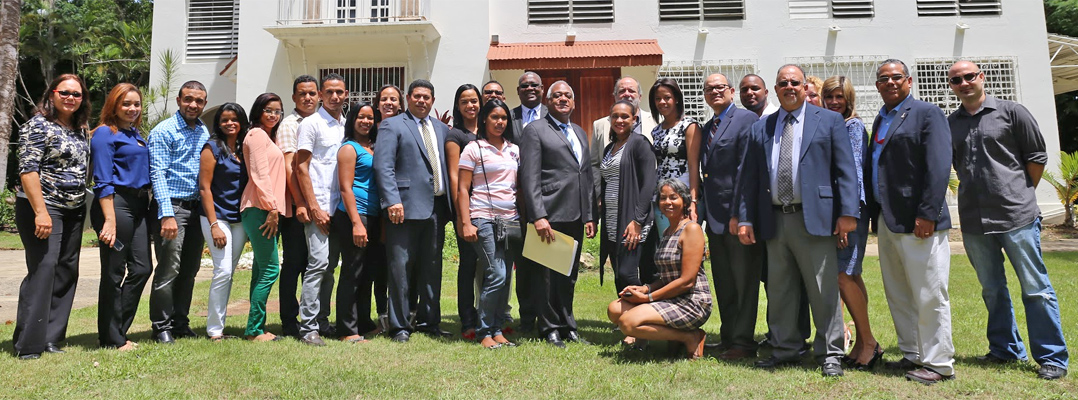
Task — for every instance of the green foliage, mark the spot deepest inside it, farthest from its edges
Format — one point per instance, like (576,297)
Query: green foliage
(1066,184)
(7,211)
(1061,17)
(155,99)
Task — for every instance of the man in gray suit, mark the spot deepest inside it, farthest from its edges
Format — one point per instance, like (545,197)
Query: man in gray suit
(555,180)
(531,108)
(411,173)
(734,266)
(799,192)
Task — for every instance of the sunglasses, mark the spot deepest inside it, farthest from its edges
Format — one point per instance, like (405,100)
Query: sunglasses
(530,85)
(885,79)
(493,92)
(789,83)
(970,77)
(65,93)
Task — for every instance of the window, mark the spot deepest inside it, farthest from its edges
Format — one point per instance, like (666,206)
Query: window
(213,28)
(701,10)
(363,82)
(932,8)
(570,11)
(690,76)
(811,9)
(861,72)
(930,79)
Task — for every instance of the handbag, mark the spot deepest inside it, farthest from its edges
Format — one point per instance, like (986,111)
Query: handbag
(505,231)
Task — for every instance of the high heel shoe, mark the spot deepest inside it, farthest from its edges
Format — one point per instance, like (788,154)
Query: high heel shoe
(877,355)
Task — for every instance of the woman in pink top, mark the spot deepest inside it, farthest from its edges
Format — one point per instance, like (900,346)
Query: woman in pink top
(262,203)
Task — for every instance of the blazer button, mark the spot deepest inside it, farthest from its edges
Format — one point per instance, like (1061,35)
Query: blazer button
(705,175)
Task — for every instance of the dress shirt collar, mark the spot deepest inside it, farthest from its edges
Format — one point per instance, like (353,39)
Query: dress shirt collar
(525,111)
(990,103)
(329,117)
(884,113)
(725,113)
(799,114)
(182,123)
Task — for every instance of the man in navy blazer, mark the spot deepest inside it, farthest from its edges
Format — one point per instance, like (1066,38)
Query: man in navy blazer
(735,267)
(798,191)
(410,170)
(555,183)
(907,167)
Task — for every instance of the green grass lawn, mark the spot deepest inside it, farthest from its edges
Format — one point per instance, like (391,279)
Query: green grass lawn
(427,368)
(11,241)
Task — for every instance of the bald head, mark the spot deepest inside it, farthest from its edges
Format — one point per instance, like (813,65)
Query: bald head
(718,93)
(967,81)
(790,87)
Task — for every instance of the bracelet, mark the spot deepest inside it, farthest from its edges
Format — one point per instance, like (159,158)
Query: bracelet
(650,299)
(647,285)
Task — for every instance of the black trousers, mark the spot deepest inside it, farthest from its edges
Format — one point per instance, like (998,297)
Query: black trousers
(294,247)
(52,271)
(466,269)
(414,250)
(354,286)
(178,261)
(124,272)
(556,291)
(528,276)
(736,270)
(635,267)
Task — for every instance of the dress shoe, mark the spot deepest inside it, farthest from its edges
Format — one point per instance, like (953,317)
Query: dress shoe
(164,337)
(183,333)
(436,333)
(30,356)
(994,359)
(1051,372)
(573,336)
(927,376)
(737,353)
(554,338)
(401,337)
(774,362)
(904,364)
(313,338)
(52,348)
(832,369)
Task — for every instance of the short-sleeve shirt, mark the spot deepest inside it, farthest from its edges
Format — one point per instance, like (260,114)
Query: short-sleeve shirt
(460,137)
(286,132)
(322,135)
(227,184)
(60,156)
(363,187)
(119,159)
(494,179)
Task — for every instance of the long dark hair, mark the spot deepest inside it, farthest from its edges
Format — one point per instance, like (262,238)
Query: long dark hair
(80,118)
(219,137)
(485,112)
(611,135)
(350,122)
(256,112)
(378,102)
(458,117)
(674,89)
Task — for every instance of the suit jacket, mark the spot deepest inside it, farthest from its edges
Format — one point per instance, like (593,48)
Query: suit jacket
(914,168)
(828,180)
(553,184)
(600,138)
(719,165)
(402,170)
(518,117)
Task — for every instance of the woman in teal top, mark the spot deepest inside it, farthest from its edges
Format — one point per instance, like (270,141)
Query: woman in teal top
(357,219)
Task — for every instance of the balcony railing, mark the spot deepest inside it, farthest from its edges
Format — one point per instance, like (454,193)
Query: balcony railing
(351,12)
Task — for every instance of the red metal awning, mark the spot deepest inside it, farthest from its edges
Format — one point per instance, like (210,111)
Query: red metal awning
(575,55)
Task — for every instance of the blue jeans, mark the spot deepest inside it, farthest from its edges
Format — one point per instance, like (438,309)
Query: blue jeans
(1023,248)
(495,262)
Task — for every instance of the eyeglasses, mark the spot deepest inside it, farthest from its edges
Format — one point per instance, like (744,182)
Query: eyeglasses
(529,85)
(970,77)
(493,92)
(272,112)
(885,79)
(65,93)
(789,83)
(716,88)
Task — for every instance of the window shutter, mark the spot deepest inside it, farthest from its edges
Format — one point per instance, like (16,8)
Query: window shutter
(213,28)
(852,9)
(980,7)
(707,10)
(724,9)
(933,8)
(679,10)
(548,11)
(807,9)
(570,11)
(592,11)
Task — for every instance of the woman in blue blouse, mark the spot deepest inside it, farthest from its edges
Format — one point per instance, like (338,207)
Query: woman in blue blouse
(357,219)
(121,168)
(221,179)
(50,208)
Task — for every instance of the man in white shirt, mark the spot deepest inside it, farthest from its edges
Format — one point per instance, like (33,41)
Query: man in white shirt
(754,96)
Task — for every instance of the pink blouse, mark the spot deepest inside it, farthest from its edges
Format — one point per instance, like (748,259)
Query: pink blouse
(265,168)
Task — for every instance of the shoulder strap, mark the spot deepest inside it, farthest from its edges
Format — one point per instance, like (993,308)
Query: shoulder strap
(486,181)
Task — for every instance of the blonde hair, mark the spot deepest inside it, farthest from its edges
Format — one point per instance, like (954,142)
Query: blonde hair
(815,81)
(841,82)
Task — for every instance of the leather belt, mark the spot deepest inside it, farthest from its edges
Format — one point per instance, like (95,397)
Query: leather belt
(789,209)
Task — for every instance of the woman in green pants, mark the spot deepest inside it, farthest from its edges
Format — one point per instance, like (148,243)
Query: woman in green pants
(262,203)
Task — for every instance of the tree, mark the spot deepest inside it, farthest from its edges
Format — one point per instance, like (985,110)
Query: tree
(1066,185)
(1061,17)
(10,14)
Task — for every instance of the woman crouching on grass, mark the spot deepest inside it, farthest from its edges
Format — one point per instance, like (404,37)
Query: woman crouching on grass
(680,300)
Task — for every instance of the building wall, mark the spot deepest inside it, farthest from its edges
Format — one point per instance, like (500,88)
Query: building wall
(169,33)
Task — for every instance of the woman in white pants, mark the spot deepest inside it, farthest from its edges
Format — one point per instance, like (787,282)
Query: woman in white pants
(220,184)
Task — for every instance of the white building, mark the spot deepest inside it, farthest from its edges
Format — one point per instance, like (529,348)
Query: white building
(241,50)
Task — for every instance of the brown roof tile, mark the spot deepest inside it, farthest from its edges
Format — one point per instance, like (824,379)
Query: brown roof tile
(561,55)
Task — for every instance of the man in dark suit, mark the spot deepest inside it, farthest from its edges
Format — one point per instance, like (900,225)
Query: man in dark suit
(555,181)
(411,173)
(798,191)
(735,267)
(531,108)
(907,167)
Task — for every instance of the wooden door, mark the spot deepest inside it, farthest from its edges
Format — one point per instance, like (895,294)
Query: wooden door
(594,90)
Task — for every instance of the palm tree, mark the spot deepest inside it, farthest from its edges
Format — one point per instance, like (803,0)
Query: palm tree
(1066,185)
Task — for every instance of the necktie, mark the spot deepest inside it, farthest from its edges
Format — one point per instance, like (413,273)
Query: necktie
(785,177)
(572,142)
(432,154)
(714,129)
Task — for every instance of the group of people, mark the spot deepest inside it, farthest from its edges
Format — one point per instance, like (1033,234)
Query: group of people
(783,195)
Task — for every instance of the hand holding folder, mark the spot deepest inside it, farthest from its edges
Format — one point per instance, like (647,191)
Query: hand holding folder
(557,255)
